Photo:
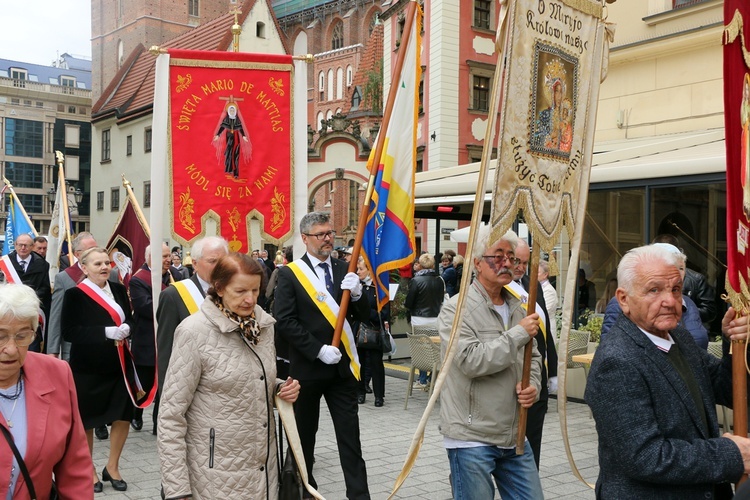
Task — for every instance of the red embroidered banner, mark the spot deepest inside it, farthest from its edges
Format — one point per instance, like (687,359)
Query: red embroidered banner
(230,134)
(737,123)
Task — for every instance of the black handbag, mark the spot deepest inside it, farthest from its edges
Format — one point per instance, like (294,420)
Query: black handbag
(290,485)
(24,471)
(368,337)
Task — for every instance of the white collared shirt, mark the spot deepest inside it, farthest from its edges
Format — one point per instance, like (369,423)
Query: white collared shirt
(204,284)
(660,343)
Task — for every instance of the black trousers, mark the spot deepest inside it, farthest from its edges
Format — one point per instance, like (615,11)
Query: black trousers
(341,397)
(535,426)
(372,365)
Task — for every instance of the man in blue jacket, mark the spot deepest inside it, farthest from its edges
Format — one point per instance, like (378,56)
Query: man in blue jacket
(653,393)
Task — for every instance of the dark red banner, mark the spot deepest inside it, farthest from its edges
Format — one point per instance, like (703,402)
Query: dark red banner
(230,136)
(737,125)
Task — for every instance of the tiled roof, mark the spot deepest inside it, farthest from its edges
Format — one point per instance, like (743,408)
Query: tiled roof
(130,94)
(370,61)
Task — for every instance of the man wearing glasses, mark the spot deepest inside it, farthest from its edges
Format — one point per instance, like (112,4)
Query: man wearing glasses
(306,302)
(479,401)
(30,269)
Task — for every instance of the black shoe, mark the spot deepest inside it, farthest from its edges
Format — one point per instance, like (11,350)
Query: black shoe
(378,402)
(368,389)
(136,424)
(101,432)
(98,487)
(118,484)
(361,399)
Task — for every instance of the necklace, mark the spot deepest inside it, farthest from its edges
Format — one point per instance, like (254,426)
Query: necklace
(19,389)
(14,398)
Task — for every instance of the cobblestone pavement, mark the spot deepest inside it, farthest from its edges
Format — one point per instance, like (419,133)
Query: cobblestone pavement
(386,434)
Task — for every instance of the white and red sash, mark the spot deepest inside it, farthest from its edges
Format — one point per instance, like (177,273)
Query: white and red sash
(97,294)
(127,363)
(11,275)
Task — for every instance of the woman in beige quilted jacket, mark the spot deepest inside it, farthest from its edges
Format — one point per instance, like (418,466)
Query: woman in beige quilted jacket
(216,426)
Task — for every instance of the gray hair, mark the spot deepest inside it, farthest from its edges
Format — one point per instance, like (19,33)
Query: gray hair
(637,258)
(83,235)
(544,266)
(19,302)
(87,253)
(208,243)
(483,240)
(313,219)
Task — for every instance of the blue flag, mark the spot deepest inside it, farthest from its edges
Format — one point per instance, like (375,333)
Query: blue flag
(388,240)
(16,225)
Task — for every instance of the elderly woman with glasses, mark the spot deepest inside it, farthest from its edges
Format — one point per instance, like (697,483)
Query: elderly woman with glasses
(38,408)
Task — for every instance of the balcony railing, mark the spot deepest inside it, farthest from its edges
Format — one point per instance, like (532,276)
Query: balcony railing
(45,87)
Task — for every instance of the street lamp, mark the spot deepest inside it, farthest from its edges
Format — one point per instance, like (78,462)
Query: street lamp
(76,192)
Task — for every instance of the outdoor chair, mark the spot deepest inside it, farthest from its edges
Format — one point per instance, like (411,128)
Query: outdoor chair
(578,343)
(425,355)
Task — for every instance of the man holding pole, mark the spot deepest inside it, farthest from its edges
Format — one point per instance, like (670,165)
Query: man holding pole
(653,392)
(479,402)
(306,306)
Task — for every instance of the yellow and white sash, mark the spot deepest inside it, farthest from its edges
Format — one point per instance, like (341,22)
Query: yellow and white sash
(518,292)
(190,295)
(327,305)
(11,275)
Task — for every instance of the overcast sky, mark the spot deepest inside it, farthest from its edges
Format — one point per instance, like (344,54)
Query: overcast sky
(36,31)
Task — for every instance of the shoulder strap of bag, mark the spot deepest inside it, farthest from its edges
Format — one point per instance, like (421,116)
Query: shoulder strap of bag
(21,463)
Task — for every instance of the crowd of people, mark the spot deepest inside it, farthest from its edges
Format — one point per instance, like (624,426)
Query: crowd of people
(232,332)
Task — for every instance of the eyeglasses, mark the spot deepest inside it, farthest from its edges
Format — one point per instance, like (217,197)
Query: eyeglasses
(322,236)
(491,259)
(22,245)
(22,339)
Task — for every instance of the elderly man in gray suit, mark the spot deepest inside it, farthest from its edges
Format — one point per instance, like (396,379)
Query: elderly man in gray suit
(653,393)
(64,280)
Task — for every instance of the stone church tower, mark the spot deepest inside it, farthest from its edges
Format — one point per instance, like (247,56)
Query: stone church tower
(118,26)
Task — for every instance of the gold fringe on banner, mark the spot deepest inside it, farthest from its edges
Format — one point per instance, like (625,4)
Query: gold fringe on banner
(732,31)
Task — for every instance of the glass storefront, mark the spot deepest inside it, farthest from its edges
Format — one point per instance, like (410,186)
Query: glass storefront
(620,217)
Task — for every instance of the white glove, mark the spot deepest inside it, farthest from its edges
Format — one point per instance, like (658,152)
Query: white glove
(329,355)
(114,332)
(124,329)
(351,283)
(552,385)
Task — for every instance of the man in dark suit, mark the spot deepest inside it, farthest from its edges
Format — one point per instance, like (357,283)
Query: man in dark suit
(307,287)
(653,393)
(173,308)
(34,272)
(545,343)
(143,345)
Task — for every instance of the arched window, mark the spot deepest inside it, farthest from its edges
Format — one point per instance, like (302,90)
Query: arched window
(322,85)
(374,21)
(330,94)
(337,37)
(260,29)
(349,75)
(339,83)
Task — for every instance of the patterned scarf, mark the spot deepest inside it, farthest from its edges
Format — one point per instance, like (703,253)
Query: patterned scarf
(248,325)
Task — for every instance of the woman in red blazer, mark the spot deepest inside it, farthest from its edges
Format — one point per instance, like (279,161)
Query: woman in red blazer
(38,405)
